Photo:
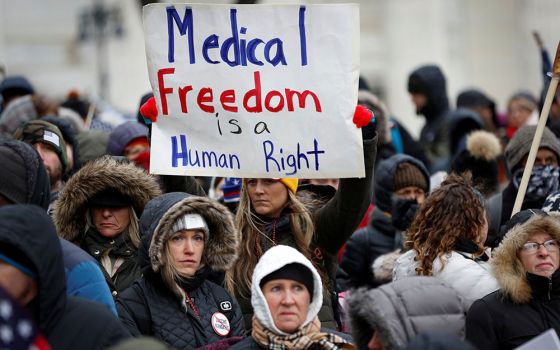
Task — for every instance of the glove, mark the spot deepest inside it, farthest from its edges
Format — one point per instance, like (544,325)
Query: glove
(362,116)
(364,119)
(149,111)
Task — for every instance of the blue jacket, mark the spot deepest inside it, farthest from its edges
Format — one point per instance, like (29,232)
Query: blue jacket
(84,277)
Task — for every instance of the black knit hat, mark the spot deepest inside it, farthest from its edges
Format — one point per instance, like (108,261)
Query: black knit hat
(294,271)
(408,174)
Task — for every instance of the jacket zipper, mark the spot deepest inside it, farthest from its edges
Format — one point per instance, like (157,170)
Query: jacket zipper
(549,286)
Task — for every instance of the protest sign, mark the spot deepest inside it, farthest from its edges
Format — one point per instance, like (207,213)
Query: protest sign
(254,90)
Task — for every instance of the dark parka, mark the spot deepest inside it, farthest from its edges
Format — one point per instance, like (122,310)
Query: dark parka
(73,203)
(402,309)
(430,81)
(67,322)
(334,223)
(526,305)
(151,307)
(378,238)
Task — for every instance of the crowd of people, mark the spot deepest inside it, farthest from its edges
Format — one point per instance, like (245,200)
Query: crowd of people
(421,253)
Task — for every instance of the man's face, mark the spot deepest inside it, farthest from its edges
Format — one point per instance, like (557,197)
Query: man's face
(51,162)
(419,101)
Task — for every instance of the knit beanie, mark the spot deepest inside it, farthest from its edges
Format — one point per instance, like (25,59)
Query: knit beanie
(295,272)
(520,144)
(231,189)
(480,157)
(110,198)
(408,174)
(191,221)
(45,132)
(290,183)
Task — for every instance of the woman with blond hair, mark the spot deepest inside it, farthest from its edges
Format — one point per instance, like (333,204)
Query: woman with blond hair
(98,210)
(184,239)
(446,240)
(316,220)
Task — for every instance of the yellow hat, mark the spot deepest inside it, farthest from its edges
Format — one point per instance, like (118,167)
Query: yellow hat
(291,183)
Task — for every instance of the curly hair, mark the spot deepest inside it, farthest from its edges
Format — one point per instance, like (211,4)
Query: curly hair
(453,212)
(238,279)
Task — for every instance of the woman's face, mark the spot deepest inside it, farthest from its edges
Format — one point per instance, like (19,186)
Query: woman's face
(517,114)
(288,302)
(540,255)
(186,249)
(268,196)
(110,222)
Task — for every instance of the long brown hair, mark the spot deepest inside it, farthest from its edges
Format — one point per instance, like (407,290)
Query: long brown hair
(453,211)
(251,229)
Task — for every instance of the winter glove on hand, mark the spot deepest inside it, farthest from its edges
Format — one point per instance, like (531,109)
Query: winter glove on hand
(149,110)
(364,119)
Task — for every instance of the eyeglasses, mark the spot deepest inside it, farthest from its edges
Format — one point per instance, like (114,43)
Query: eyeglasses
(532,247)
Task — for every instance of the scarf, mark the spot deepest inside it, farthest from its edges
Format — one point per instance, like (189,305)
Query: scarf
(543,181)
(305,338)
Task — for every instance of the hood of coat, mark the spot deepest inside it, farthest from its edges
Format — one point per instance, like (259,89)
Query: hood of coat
(37,240)
(220,251)
(507,267)
(430,81)
(383,188)
(402,309)
(95,176)
(274,259)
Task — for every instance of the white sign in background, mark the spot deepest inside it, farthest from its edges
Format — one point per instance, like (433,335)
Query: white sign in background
(305,60)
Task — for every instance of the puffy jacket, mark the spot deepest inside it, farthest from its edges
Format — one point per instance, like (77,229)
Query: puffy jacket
(67,322)
(526,305)
(151,307)
(471,279)
(402,309)
(378,238)
(72,204)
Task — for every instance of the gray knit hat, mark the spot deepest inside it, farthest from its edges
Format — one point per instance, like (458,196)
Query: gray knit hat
(520,144)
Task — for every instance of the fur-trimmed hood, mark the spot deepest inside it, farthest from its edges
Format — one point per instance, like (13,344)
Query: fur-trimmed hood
(404,308)
(220,251)
(274,259)
(104,172)
(507,267)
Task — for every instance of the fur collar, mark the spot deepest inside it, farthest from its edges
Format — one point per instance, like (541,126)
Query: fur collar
(104,172)
(507,268)
(220,252)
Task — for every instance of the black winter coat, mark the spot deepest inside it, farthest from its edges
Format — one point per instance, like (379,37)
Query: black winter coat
(378,238)
(496,322)
(67,322)
(149,308)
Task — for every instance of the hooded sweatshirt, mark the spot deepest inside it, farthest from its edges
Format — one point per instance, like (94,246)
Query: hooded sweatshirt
(185,314)
(526,305)
(430,81)
(67,322)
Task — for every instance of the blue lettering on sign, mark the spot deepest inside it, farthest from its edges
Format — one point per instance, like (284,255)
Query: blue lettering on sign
(236,50)
(184,24)
(200,159)
(291,163)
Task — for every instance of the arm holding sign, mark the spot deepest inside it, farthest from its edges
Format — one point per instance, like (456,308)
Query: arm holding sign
(171,183)
(339,218)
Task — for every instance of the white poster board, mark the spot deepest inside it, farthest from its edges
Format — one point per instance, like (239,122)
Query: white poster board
(254,90)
